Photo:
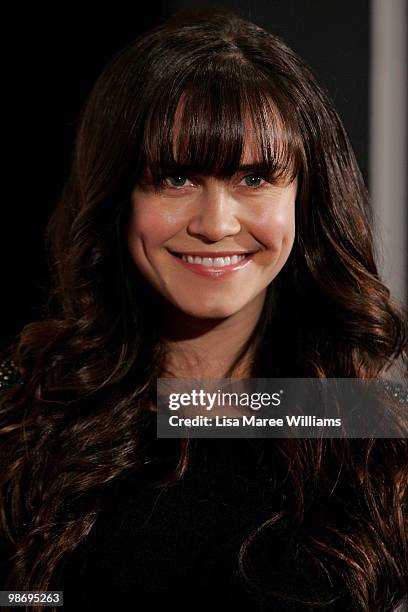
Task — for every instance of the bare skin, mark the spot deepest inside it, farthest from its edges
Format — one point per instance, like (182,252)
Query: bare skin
(208,347)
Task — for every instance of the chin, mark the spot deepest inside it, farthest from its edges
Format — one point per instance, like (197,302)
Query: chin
(213,314)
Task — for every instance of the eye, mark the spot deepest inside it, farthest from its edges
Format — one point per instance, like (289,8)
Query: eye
(175,182)
(254,181)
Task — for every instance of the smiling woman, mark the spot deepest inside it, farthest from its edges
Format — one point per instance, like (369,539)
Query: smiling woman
(214,224)
(213,247)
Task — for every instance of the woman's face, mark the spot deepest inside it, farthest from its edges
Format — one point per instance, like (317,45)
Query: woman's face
(209,219)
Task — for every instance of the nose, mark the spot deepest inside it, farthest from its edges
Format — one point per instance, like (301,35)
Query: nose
(215,215)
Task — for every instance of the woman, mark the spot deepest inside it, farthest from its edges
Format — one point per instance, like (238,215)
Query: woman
(208,138)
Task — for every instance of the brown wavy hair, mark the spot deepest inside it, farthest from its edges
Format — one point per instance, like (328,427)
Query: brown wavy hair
(89,366)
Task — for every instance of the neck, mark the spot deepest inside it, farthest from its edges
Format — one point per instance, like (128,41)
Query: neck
(207,348)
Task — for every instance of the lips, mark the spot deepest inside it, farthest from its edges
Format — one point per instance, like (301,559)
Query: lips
(212,261)
(216,266)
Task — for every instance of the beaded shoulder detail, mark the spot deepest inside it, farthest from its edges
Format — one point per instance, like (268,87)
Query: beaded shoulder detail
(9,374)
(397,390)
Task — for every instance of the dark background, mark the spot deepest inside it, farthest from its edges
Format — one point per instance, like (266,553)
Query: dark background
(56,55)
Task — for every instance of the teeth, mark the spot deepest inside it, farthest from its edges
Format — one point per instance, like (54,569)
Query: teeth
(214,262)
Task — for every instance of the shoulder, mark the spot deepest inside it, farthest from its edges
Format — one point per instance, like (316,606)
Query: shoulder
(9,373)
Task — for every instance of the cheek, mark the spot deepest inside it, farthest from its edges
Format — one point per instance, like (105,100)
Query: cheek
(277,230)
(146,226)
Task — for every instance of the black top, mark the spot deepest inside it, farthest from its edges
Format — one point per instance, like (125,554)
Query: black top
(179,546)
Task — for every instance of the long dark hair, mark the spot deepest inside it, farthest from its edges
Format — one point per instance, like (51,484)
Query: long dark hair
(89,367)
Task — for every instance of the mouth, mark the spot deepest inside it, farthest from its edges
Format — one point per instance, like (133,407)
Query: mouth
(216,261)
(216,266)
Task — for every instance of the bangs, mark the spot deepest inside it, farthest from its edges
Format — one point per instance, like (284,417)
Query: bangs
(205,128)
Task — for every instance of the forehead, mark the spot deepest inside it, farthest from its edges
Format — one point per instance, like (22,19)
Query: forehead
(251,146)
